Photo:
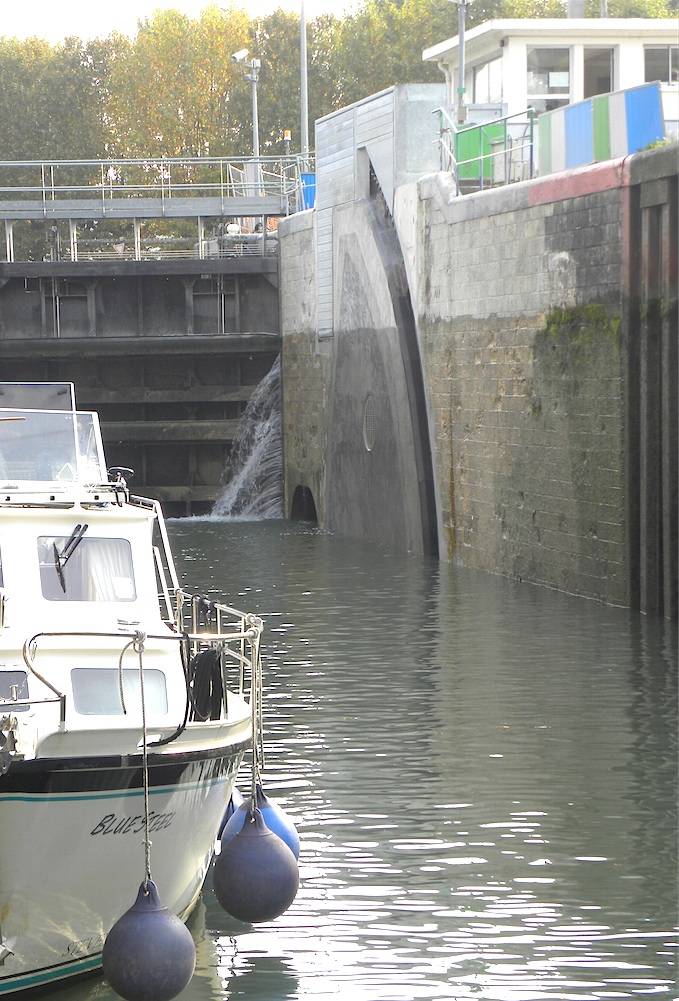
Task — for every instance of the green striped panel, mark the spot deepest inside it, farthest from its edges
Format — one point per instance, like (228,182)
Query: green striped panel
(545,144)
(602,128)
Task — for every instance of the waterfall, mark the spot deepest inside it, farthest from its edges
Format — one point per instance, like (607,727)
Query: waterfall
(253,478)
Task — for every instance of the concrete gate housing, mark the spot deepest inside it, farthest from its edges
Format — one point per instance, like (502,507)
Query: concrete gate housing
(509,401)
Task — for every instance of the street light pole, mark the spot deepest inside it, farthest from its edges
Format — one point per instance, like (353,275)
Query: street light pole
(461,89)
(252,68)
(253,76)
(303,87)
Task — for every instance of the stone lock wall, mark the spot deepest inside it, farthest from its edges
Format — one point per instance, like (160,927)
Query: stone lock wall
(305,366)
(546,322)
(520,327)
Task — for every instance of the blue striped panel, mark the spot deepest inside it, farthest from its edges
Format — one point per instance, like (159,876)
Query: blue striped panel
(579,136)
(644,117)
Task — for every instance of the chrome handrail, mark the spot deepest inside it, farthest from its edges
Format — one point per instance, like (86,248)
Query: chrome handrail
(248,635)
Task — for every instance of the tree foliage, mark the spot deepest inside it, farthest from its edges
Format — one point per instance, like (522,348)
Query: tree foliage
(173,91)
(171,87)
(50,102)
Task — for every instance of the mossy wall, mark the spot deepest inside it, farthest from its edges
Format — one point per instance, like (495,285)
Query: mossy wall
(548,423)
(520,327)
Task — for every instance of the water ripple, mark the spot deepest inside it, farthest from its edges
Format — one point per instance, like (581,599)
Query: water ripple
(483,775)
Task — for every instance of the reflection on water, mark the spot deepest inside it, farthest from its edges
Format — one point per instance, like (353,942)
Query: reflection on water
(483,775)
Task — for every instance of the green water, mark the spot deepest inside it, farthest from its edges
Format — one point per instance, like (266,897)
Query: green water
(483,775)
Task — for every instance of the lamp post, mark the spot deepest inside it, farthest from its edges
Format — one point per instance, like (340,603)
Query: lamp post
(462,14)
(303,88)
(252,68)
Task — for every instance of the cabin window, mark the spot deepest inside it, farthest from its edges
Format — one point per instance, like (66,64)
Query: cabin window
(661,62)
(13,688)
(549,78)
(96,691)
(85,569)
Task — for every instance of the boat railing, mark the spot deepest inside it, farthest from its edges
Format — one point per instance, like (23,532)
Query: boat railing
(239,641)
(204,620)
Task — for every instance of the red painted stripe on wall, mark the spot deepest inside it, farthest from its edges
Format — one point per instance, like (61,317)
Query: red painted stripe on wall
(580,181)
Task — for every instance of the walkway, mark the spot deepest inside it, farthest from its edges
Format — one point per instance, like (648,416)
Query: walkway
(206,190)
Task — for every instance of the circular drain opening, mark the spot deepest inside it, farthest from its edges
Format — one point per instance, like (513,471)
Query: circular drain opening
(369,423)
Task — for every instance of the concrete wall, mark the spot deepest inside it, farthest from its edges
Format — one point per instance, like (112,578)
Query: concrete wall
(525,301)
(520,326)
(348,434)
(306,366)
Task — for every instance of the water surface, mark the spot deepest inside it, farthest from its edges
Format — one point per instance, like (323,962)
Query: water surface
(483,775)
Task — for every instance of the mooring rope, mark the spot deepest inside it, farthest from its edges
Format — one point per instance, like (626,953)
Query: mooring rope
(138,643)
(256,706)
(121,690)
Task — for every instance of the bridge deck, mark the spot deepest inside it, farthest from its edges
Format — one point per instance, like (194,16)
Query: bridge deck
(160,207)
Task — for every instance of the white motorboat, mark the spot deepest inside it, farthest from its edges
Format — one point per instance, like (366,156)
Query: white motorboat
(109,671)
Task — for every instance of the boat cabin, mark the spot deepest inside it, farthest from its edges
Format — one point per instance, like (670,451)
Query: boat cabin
(76,555)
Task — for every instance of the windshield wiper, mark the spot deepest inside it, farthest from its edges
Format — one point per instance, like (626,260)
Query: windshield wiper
(62,558)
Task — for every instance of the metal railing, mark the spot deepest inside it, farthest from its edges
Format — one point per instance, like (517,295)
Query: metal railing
(166,179)
(167,248)
(139,210)
(233,634)
(491,154)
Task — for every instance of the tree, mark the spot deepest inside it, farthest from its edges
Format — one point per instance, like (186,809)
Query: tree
(381,44)
(171,91)
(50,103)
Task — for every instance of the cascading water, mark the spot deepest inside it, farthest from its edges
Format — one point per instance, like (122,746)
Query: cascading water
(253,476)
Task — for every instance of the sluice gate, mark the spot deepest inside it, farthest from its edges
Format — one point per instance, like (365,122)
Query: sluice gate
(154,289)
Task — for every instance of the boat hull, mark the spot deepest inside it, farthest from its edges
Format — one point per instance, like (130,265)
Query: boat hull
(72,854)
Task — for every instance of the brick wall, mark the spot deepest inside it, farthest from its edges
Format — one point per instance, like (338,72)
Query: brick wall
(546,315)
(519,319)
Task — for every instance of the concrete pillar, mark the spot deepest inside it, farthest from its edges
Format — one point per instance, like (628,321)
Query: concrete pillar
(577,81)
(91,286)
(188,296)
(73,233)
(9,239)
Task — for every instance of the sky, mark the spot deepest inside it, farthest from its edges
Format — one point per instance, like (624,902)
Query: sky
(86,19)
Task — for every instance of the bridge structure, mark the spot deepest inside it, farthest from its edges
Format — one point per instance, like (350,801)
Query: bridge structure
(152,285)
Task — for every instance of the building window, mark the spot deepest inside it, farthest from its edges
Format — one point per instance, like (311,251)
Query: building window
(488,83)
(661,62)
(598,72)
(548,78)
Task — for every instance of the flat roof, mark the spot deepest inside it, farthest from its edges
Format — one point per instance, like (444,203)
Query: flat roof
(486,37)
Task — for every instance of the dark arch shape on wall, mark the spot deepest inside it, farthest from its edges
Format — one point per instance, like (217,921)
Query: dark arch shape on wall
(391,256)
(303,507)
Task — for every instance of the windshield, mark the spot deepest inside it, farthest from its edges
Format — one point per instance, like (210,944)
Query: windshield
(50,445)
